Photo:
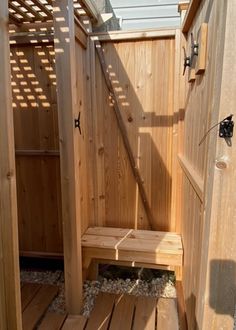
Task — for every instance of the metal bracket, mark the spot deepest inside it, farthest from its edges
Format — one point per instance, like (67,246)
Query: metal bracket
(187,61)
(194,48)
(77,123)
(226,128)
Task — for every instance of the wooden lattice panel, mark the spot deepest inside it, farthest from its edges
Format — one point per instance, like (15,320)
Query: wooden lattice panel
(30,11)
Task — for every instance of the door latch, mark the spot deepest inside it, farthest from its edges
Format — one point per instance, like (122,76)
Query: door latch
(226,127)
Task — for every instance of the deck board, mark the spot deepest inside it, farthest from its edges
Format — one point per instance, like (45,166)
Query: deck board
(52,321)
(123,313)
(74,322)
(101,314)
(38,306)
(167,315)
(28,291)
(127,312)
(145,313)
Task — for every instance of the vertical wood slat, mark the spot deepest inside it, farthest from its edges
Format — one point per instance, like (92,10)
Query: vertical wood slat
(10,310)
(66,87)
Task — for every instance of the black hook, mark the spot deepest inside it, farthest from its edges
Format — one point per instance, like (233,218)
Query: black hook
(77,123)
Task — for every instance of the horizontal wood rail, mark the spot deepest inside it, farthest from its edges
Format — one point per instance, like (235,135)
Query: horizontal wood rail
(194,178)
(131,35)
(42,255)
(31,38)
(54,153)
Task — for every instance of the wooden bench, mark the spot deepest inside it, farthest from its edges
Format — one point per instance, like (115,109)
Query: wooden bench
(129,247)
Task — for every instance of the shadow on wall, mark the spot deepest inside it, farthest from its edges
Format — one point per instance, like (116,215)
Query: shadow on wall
(222,291)
(223,287)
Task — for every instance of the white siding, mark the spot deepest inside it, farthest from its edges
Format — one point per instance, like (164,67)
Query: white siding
(142,14)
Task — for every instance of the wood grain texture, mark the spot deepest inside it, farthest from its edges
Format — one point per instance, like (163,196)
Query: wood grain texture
(141,74)
(69,137)
(28,292)
(36,133)
(38,305)
(145,313)
(200,222)
(74,322)
(181,306)
(189,17)
(218,265)
(133,35)
(202,49)
(124,134)
(52,321)
(10,308)
(102,311)
(147,247)
(167,316)
(122,316)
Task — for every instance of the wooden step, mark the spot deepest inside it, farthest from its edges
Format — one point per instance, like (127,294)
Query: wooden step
(137,246)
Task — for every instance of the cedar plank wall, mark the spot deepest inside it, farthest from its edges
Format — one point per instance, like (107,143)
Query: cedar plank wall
(142,74)
(201,103)
(36,129)
(86,139)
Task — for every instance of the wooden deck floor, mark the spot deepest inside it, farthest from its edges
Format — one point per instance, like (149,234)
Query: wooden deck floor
(35,300)
(126,312)
(111,312)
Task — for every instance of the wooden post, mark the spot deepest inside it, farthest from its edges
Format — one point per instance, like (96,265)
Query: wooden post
(69,137)
(10,307)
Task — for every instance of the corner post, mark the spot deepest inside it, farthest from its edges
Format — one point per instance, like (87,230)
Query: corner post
(68,136)
(10,306)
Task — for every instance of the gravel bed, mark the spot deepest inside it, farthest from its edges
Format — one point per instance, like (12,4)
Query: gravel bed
(155,287)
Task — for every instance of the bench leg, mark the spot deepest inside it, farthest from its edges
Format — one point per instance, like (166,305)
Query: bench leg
(178,272)
(90,271)
(92,274)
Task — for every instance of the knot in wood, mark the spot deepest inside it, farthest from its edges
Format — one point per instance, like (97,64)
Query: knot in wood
(101,150)
(10,174)
(130,119)
(221,165)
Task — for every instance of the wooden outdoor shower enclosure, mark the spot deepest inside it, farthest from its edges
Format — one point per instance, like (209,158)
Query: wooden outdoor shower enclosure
(71,178)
